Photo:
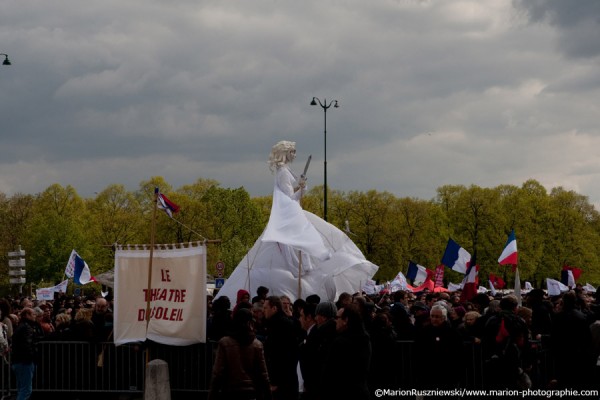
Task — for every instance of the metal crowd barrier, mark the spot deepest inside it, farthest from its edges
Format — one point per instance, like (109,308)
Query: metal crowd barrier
(82,367)
(74,367)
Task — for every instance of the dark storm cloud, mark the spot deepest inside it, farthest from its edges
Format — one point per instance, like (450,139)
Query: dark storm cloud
(579,23)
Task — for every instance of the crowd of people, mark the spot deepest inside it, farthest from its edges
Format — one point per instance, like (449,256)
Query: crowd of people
(310,349)
(25,322)
(274,347)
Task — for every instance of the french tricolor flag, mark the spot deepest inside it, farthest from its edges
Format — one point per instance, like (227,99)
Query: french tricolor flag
(509,254)
(78,269)
(470,282)
(455,257)
(569,275)
(416,273)
(165,204)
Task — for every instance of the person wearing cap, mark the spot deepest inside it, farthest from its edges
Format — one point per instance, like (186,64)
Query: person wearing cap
(242,300)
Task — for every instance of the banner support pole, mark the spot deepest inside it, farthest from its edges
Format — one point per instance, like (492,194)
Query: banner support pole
(149,292)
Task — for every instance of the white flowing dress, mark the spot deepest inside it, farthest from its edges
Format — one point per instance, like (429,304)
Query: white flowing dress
(297,247)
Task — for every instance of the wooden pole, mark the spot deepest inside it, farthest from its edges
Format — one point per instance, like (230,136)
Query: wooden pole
(300,258)
(299,274)
(152,240)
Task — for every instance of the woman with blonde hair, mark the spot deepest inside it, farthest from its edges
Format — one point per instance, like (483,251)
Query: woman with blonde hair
(83,327)
(63,331)
(298,254)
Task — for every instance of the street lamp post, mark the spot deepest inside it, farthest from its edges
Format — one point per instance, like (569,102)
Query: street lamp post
(325,107)
(6,60)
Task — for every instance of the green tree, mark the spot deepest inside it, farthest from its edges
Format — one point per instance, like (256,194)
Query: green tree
(58,226)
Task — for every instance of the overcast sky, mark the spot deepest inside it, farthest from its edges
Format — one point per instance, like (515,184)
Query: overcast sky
(430,92)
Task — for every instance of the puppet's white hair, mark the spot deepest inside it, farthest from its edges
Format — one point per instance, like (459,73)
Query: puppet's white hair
(279,154)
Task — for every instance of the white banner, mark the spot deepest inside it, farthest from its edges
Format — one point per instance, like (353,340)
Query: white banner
(48,293)
(177,295)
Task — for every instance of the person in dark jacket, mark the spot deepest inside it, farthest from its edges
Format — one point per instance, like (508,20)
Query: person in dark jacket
(346,367)
(281,350)
(438,341)
(240,371)
(309,352)
(382,373)
(219,324)
(506,347)
(321,339)
(102,318)
(571,342)
(541,318)
(24,352)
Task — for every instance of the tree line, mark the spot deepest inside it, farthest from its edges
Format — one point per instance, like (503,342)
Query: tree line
(553,228)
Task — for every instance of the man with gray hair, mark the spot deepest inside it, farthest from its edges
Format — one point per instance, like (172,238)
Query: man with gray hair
(438,341)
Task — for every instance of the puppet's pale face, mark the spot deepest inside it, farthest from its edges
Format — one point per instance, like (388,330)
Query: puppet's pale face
(291,155)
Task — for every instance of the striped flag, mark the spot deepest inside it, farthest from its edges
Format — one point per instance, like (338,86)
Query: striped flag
(165,204)
(509,254)
(455,257)
(470,282)
(569,275)
(78,269)
(416,273)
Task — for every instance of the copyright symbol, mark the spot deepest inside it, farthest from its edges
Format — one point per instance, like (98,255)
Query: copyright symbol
(378,392)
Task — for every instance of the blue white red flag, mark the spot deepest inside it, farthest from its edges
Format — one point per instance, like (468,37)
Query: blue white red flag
(569,275)
(166,205)
(470,282)
(455,257)
(416,273)
(509,255)
(78,269)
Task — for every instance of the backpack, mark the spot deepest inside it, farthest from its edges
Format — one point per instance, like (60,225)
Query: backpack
(4,346)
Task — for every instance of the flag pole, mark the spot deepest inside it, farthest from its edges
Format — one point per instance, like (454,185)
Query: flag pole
(152,240)
(518,287)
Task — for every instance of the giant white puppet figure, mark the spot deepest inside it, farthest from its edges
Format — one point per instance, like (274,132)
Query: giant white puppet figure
(298,254)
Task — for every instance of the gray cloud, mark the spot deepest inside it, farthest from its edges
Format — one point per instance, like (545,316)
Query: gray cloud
(578,23)
(430,92)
